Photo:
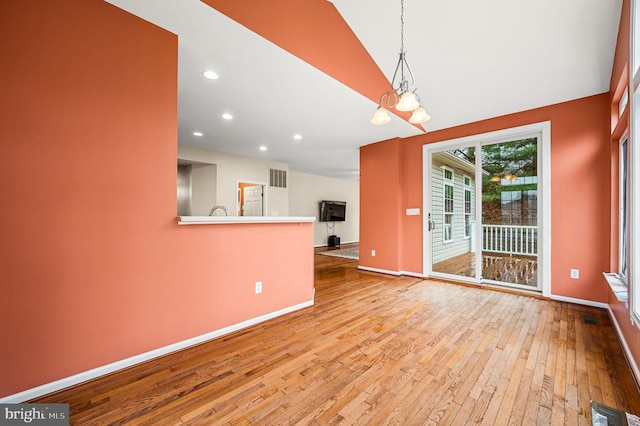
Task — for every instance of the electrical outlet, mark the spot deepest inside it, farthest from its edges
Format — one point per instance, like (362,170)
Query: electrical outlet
(575,274)
(373,253)
(258,287)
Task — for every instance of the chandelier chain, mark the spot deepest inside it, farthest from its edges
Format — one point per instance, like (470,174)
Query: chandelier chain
(401,26)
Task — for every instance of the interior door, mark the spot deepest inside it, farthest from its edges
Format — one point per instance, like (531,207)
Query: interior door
(253,196)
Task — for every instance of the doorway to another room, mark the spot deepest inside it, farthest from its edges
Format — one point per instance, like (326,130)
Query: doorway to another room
(251,198)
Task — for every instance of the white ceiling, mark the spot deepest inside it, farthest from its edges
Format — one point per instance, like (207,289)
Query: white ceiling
(472,60)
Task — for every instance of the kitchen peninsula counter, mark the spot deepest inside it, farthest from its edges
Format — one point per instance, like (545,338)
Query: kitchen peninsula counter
(228,220)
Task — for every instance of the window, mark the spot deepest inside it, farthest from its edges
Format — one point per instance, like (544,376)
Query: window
(511,207)
(623,250)
(633,178)
(467,206)
(447,229)
(624,101)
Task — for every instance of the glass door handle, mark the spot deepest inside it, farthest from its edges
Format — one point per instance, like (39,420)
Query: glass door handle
(432,224)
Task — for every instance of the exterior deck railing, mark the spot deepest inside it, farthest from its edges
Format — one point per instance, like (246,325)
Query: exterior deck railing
(510,239)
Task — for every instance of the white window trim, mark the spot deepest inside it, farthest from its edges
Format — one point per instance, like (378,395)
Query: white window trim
(451,183)
(467,188)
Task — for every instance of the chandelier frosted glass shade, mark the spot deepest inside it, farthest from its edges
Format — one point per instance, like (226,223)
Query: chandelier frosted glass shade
(419,115)
(381,116)
(407,102)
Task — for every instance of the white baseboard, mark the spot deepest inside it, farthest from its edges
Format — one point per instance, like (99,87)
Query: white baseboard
(396,273)
(137,359)
(627,352)
(411,274)
(382,271)
(579,301)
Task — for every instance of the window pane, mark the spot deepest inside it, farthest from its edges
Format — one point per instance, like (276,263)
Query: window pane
(448,192)
(623,102)
(624,192)
(448,174)
(448,206)
(448,198)
(467,226)
(512,176)
(448,227)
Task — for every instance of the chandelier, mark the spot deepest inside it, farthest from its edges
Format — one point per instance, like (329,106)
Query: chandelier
(404,96)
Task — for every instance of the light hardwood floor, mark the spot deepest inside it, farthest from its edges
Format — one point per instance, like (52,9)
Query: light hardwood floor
(377,349)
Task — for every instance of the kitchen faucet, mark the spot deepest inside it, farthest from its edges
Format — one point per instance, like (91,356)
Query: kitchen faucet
(226,212)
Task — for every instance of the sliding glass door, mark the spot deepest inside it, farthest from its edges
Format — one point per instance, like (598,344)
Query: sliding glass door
(481,211)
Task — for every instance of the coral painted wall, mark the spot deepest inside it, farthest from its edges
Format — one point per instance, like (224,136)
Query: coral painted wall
(94,267)
(380,206)
(580,192)
(620,78)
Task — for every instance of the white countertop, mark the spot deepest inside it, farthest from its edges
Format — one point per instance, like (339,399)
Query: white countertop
(226,220)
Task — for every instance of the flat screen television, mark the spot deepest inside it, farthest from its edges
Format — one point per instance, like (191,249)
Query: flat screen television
(333,211)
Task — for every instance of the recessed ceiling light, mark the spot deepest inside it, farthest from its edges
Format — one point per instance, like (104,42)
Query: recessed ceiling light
(263,148)
(211,75)
(197,133)
(297,137)
(227,116)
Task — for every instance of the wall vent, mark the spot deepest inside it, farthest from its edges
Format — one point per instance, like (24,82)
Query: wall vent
(278,178)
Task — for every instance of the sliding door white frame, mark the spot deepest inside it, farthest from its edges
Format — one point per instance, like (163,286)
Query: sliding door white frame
(540,130)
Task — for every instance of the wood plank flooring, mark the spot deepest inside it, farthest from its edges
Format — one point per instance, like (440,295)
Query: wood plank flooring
(377,349)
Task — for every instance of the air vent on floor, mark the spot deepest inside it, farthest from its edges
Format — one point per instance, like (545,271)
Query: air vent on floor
(587,319)
(278,178)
